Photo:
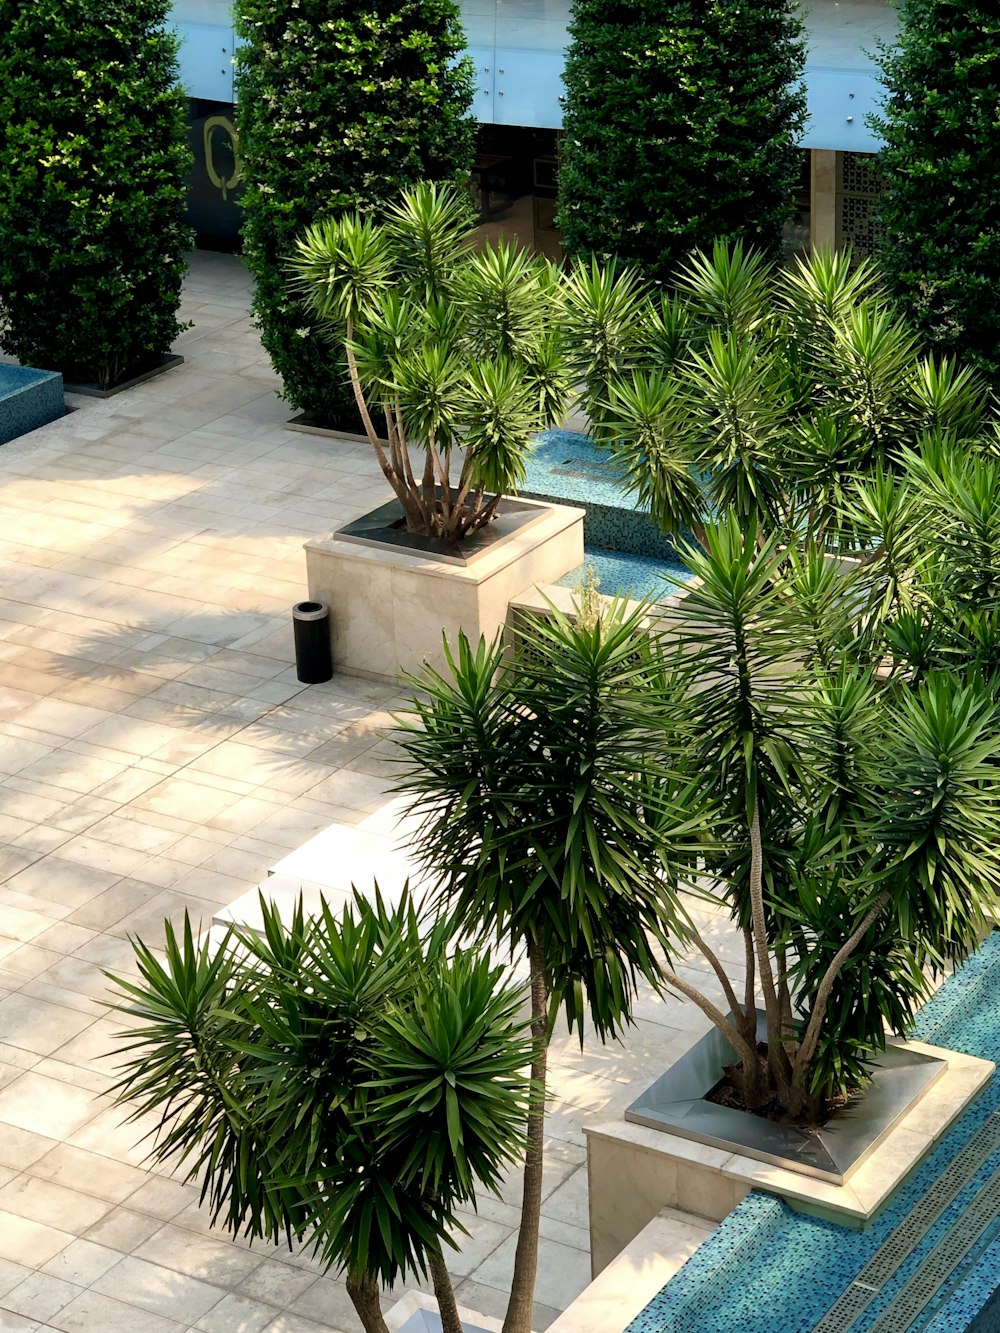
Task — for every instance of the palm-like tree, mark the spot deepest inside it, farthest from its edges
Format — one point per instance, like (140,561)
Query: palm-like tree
(855,821)
(456,359)
(763,391)
(348,1081)
(546,817)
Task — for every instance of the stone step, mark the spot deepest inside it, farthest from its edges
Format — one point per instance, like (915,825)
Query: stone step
(629,1283)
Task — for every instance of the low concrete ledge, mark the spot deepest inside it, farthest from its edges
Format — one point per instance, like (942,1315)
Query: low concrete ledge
(641,1271)
(417,1312)
(635,1172)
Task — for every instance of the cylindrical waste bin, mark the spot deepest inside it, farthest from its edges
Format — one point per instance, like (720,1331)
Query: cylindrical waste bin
(313,656)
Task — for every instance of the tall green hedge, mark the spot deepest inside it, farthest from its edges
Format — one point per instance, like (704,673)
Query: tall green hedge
(681,120)
(940,211)
(340,103)
(93,159)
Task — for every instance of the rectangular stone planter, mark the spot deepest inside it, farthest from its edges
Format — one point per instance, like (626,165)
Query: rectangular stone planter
(676,1103)
(28,399)
(390,601)
(635,1171)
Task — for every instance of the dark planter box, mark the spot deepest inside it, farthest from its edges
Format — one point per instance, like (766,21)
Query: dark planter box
(162,364)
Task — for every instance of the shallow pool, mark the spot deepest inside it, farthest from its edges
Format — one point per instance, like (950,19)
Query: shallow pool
(929,1261)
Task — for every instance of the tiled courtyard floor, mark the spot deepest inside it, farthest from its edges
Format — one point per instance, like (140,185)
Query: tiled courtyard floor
(157,753)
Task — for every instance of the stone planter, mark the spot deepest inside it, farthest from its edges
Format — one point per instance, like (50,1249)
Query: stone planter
(635,1171)
(676,1103)
(392,595)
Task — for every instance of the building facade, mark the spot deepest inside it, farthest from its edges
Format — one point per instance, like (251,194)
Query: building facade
(518,48)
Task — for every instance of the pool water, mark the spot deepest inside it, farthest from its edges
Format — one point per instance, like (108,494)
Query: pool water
(620,574)
(768,1269)
(629,553)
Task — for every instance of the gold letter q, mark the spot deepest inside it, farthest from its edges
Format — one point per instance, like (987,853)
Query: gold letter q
(223,123)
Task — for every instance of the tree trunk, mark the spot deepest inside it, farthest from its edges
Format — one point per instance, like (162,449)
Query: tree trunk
(445,1294)
(776,1058)
(749,1024)
(520,1307)
(366,1299)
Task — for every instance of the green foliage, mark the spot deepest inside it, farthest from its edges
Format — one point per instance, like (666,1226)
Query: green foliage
(878,803)
(681,121)
(346,1080)
(340,106)
(542,804)
(446,348)
(940,121)
(93,160)
(782,389)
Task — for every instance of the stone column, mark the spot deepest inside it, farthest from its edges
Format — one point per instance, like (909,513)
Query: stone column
(824,204)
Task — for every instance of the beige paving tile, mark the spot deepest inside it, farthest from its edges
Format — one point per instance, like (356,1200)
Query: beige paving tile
(56,1205)
(19,1148)
(159,1290)
(28,1242)
(69,882)
(91,1311)
(41,1296)
(88,1173)
(62,718)
(45,1106)
(210,1258)
(237,1314)
(327,1301)
(122,1230)
(276,1283)
(11,1275)
(82,1262)
(36,1026)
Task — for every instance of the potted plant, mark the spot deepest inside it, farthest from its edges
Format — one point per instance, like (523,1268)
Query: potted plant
(456,358)
(346,1081)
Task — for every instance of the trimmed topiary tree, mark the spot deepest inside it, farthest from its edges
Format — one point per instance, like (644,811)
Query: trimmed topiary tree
(940,210)
(93,159)
(681,122)
(341,105)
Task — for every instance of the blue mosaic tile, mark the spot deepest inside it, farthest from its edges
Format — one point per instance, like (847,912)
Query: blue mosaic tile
(767,1269)
(624,575)
(28,399)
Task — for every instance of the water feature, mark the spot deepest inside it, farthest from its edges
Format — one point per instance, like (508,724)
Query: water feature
(628,552)
(28,399)
(928,1263)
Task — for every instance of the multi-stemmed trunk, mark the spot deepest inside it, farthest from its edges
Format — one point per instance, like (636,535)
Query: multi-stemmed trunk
(785,1075)
(520,1308)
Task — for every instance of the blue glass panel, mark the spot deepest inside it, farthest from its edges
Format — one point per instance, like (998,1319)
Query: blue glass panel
(839,103)
(206,60)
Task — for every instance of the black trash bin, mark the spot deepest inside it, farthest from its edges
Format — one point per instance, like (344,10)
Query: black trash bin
(313,656)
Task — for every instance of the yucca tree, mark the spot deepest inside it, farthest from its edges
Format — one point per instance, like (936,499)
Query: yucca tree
(545,815)
(854,822)
(760,390)
(946,614)
(456,358)
(347,1081)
